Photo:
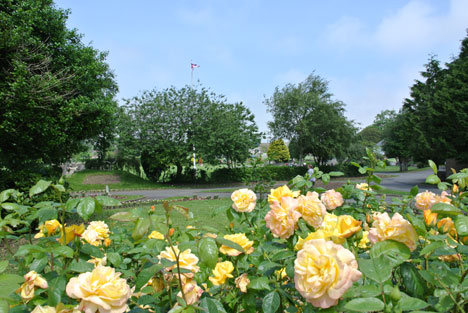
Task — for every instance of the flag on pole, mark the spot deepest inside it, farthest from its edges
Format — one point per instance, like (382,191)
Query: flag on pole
(193,65)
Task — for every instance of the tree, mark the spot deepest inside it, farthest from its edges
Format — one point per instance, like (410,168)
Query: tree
(310,119)
(162,128)
(382,118)
(55,92)
(396,135)
(278,151)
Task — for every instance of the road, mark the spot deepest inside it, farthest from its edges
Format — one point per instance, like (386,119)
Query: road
(401,181)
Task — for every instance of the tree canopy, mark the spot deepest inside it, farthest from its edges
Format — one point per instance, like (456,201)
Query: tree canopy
(314,123)
(164,127)
(56,92)
(278,151)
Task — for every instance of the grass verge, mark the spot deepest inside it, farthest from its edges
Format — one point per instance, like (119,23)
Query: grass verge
(396,169)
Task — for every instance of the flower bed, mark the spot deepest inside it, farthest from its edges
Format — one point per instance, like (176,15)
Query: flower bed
(300,250)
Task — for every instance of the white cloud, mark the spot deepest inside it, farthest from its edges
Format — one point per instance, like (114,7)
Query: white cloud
(348,31)
(293,76)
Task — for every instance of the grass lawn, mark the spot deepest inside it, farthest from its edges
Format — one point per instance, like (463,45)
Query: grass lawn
(201,209)
(97,180)
(392,192)
(395,168)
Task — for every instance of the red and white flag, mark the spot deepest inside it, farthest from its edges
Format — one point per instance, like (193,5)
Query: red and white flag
(193,65)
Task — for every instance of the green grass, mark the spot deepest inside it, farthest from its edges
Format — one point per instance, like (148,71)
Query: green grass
(395,168)
(127,181)
(221,190)
(202,214)
(393,192)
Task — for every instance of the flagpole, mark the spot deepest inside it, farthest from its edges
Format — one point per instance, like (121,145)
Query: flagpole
(191,105)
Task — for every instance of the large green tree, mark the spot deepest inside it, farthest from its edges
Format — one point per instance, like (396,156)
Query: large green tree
(164,128)
(314,123)
(278,151)
(55,91)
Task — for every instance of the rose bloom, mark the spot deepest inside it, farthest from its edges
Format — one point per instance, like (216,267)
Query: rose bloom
(338,228)
(311,209)
(323,271)
(443,198)
(332,199)
(98,261)
(450,258)
(244,200)
(101,290)
(241,240)
(32,280)
(446,225)
(156,235)
(71,232)
(192,291)
(96,233)
(187,259)
(425,200)
(396,228)
(221,272)
(282,217)
(430,218)
(59,309)
(280,192)
(363,186)
(364,242)
(49,227)
(242,282)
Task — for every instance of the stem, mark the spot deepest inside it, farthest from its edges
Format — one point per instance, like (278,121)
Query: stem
(51,261)
(459,308)
(383,294)
(62,218)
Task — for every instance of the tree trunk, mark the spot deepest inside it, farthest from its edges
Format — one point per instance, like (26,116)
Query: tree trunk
(403,164)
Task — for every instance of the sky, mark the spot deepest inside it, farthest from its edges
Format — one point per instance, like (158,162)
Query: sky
(369,51)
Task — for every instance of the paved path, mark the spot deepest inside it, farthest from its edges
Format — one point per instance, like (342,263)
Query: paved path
(401,181)
(406,181)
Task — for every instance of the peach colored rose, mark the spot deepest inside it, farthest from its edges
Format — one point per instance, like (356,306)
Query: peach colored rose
(323,271)
(443,198)
(244,200)
(187,259)
(311,208)
(221,272)
(242,282)
(425,200)
(49,309)
(192,292)
(446,225)
(396,228)
(332,199)
(101,290)
(98,261)
(156,235)
(241,240)
(280,192)
(282,217)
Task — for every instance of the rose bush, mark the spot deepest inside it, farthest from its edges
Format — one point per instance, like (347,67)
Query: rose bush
(282,254)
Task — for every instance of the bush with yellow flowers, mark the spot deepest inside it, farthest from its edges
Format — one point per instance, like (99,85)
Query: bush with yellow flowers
(303,249)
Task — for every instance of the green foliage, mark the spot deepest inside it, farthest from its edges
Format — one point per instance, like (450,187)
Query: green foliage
(314,123)
(278,151)
(56,92)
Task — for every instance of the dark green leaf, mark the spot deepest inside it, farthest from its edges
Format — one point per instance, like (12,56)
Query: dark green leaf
(271,302)
(3,266)
(230,244)
(81,266)
(107,201)
(461,224)
(445,209)
(141,228)
(208,252)
(146,274)
(432,179)
(414,191)
(9,283)
(56,290)
(433,166)
(259,283)
(85,208)
(4,306)
(362,291)
(5,194)
(410,304)
(418,224)
(378,269)
(334,174)
(396,251)
(63,251)
(114,258)
(124,217)
(412,281)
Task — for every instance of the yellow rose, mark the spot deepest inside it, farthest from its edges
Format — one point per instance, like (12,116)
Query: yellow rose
(280,192)
(446,225)
(156,235)
(282,217)
(187,259)
(242,282)
(364,242)
(241,240)
(98,261)
(319,234)
(430,218)
(363,186)
(221,272)
(71,232)
(323,271)
(192,292)
(157,284)
(100,290)
(96,233)
(281,273)
(332,199)
(311,209)
(425,200)
(244,200)
(32,280)
(396,228)
(450,258)
(49,228)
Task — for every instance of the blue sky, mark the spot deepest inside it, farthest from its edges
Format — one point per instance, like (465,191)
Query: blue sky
(370,51)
